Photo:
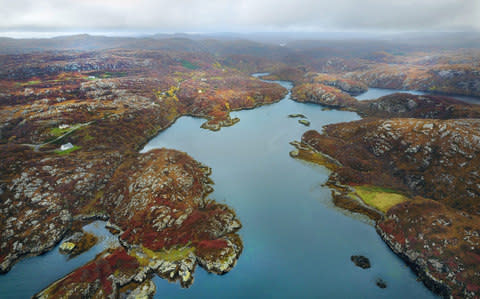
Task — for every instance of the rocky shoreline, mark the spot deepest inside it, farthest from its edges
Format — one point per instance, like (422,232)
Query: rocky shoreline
(149,245)
(406,161)
(410,258)
(424,233)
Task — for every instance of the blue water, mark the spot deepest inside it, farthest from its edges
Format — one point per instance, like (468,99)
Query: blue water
(31,275)
(297,244)
(374,93)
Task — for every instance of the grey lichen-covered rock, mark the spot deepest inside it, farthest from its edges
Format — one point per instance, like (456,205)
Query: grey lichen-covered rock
(146,290)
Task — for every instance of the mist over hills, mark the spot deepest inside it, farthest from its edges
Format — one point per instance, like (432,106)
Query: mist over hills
(256,44)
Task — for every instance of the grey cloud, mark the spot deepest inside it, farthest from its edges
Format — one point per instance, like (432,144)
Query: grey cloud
(239,15)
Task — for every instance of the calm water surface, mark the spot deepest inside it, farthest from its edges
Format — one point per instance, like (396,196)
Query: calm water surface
(33,274)
(297,244)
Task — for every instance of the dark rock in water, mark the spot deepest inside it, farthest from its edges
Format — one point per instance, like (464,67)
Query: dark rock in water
(304,122)
(381,283)
(297,115)
(360,261)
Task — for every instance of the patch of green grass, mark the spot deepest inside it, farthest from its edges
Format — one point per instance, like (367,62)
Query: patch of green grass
(187,64)
(66,152)
(59,132)
(113,75)
(380,198)
(171,255)
(88,137)
(33,82)
(378,189)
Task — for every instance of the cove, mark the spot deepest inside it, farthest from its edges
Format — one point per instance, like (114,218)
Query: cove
(33,274)
(296,243)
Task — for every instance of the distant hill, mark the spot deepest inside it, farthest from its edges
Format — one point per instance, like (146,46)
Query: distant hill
(271,45)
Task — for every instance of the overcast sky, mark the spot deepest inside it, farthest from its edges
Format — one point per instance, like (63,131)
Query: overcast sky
(238,15)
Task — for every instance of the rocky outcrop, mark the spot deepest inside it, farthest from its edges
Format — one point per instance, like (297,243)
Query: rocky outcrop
(442,78)
(100,278)
(157,205)
(381,283)
(360,261)
(417,106)
(349,86)
(216,125)
(304,122)
(433,158)
(440,244)
(322,94)
(78,243)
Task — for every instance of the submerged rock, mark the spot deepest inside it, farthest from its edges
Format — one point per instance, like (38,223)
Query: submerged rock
(381,283)
(360,261)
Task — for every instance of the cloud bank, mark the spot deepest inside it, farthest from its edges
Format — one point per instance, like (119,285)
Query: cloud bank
(239,15)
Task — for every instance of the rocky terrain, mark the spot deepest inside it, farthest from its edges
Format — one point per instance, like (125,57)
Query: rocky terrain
(416,106)
(394,105)
(351,87)
(441,244)
(434,70)
(157,205)
(107,105)
(322,94)
(440,78)
(431,158)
